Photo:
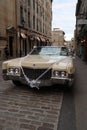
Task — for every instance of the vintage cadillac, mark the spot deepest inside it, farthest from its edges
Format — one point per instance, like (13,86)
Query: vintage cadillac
(43,66)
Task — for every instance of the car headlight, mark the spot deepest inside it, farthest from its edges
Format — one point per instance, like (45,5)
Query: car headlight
(63,74)
(10,71)
(57,73)
(17,71)
(13,71)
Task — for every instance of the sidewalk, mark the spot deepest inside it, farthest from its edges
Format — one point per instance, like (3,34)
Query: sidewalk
(81,94)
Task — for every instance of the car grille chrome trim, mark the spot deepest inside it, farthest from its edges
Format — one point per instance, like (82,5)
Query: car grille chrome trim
(35,73)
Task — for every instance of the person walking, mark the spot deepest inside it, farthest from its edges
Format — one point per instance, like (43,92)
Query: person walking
(81,51)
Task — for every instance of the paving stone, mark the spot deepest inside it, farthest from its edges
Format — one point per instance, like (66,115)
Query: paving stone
(26,109)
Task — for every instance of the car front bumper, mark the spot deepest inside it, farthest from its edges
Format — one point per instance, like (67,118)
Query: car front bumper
(41,83)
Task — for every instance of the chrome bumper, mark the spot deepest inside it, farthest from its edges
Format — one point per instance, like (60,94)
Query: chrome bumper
(50,82)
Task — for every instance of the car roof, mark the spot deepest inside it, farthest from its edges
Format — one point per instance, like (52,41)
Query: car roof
(51,46)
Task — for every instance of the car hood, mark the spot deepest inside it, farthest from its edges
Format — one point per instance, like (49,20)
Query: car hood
(35,61)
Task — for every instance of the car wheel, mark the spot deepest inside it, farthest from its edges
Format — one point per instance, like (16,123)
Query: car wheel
(16,82)
(69,85)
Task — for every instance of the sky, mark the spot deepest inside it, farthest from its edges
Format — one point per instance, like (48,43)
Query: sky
(63,16)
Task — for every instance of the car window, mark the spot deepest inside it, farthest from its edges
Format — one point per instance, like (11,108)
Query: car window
(50,51)
(64,51)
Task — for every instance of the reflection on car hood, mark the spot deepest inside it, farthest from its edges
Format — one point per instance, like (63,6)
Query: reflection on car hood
(39,61)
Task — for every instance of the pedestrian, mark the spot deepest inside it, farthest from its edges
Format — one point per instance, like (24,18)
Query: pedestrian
(6,51)
(72,51)
(81,51)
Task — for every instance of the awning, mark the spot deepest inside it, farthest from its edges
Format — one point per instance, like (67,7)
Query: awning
(42,39)
(32,38)
(37,38)
(9,27)
(23,35)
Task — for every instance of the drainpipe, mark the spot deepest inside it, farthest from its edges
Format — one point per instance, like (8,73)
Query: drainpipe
(16,49)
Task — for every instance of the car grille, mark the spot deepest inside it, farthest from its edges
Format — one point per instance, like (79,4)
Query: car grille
(35,73)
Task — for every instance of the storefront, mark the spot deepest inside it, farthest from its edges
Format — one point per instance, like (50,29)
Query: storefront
(82,43)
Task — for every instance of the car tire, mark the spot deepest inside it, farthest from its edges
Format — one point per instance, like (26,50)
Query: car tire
(68,84)
(16,82)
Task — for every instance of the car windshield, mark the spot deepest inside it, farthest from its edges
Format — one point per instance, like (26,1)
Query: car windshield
(50,51)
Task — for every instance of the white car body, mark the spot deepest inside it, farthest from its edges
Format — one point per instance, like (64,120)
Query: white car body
(44,66)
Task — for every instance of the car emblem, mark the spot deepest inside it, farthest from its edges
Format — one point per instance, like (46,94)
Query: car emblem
(33,64)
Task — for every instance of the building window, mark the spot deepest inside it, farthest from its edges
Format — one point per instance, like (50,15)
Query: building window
(37,24)
(34,4)
(34,22)
(29,2)
(40,26)
(29,24)
(21,15)
(37,8)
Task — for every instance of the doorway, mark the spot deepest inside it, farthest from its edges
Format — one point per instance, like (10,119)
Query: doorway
(11,38)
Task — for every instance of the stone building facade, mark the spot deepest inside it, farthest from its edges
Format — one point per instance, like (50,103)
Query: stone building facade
(24,24)
(81,28)
(7,19)
(57,37)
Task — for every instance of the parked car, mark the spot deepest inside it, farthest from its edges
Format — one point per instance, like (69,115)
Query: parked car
(43,66)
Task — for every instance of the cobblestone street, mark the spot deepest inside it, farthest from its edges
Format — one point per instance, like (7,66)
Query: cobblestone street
(28,109)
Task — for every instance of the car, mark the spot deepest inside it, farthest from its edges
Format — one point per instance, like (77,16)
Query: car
(43,66)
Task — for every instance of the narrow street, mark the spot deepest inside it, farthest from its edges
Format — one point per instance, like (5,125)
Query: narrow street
(81,95)
(74,109)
